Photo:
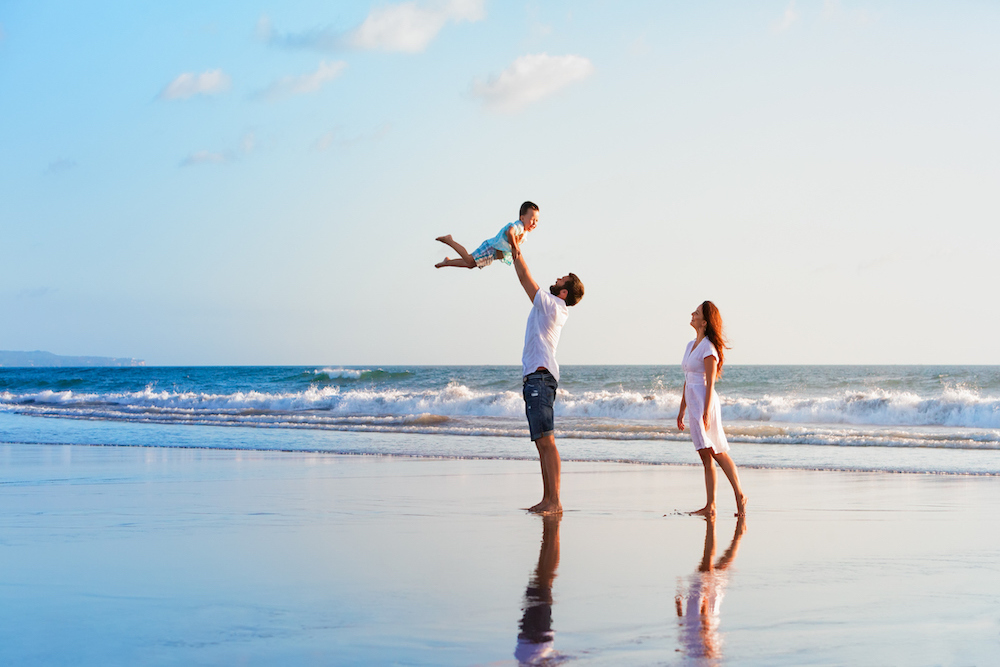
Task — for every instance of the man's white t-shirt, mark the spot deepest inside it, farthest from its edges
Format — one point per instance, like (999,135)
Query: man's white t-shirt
(545,323)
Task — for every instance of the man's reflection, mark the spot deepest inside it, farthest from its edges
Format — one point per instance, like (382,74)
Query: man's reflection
(698,608)
(534,641)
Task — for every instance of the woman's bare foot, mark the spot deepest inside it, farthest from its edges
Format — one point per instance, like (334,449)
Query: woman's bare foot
(707,510)
(444,239)
(741,506)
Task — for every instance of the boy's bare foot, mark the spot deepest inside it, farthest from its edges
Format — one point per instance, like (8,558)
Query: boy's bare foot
(444,239)
(741,506)
(707,510)
(442,263)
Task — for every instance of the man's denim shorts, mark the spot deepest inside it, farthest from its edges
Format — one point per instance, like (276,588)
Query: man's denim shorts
(539,396)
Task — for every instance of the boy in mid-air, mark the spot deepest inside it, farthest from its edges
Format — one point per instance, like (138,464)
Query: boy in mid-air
(505,246)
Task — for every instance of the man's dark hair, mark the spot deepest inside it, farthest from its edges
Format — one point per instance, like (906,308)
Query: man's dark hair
(527,206)
(574,290)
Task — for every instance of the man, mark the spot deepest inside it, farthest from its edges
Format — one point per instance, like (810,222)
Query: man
(549,311)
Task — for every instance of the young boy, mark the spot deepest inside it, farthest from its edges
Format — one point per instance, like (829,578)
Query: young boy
(505,246)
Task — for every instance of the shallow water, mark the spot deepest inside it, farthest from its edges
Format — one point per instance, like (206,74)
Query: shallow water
(126,555)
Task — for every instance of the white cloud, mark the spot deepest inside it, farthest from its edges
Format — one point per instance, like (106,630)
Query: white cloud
(205,157)
(335,138)
(305,83)
(406,27)
(265,31)
(879,262)
(834,11)
(188,85)
(791,16)
(410,27)
(247,144)
(529,79)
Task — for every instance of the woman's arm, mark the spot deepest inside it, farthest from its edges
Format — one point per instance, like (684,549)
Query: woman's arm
(709,387)
(680,413)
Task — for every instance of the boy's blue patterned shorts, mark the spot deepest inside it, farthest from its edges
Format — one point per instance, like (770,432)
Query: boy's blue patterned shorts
(539,397)
(484,254)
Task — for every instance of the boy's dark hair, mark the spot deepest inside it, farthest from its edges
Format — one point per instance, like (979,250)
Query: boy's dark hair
(574,290)
(527,206)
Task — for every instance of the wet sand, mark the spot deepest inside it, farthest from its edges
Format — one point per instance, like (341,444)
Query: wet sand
(122,556)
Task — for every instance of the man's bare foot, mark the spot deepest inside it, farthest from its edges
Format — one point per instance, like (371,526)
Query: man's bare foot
(741,506)
(442,263)
(545,508)
(444,239)
(707,510)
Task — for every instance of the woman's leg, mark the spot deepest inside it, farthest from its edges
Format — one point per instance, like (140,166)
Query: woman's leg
(729,467)
(709,464)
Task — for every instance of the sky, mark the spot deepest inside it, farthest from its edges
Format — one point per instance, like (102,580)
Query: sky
(253,182)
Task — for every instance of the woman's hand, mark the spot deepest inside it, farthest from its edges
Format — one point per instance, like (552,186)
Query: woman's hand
(680,420)
(704,418)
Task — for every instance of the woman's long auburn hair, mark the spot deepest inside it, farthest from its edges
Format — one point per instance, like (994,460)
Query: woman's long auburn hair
(714,330)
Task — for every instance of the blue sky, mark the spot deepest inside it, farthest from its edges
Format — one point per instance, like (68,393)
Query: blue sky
(261,183)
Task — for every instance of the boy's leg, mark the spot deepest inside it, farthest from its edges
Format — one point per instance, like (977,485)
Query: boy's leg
(460,249)
(461,263)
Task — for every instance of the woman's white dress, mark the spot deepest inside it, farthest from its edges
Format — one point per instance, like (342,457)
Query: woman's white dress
(693,366)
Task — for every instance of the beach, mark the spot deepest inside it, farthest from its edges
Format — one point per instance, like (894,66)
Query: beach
(118,555)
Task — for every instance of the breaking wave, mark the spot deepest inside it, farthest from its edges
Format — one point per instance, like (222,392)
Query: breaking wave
(956,418)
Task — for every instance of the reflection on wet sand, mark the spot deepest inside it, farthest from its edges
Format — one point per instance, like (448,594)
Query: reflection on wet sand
(534,641)
(698,608)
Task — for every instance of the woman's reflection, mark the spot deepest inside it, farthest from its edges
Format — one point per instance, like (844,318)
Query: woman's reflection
(698,608)
(534,641)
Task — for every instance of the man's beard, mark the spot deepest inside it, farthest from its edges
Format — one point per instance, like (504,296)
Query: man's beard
(555,289)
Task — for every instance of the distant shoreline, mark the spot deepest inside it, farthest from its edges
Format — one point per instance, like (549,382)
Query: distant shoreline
(40,359)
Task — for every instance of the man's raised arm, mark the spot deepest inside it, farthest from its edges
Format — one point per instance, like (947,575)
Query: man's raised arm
(524,275)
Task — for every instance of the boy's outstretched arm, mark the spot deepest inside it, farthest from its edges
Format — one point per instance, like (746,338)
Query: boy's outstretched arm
(515,248)
(524,275)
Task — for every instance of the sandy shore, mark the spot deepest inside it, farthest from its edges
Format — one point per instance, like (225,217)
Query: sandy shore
(122,556)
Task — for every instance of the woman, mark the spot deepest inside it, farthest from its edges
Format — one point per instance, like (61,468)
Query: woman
(703,359)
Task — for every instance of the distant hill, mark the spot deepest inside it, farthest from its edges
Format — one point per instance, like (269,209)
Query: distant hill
(39,359)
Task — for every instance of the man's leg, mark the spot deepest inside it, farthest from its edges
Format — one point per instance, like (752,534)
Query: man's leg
(548,455)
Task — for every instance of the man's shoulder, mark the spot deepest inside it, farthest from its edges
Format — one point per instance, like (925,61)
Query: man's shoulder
(550,302)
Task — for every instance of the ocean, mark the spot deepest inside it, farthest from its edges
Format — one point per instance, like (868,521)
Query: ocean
(930,419)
